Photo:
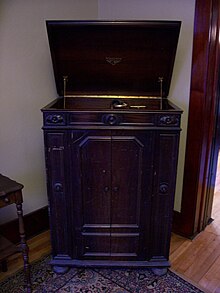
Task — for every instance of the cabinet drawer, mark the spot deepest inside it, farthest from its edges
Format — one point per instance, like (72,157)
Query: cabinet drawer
(54,119)
(6,200)
(114,119)
(168,120)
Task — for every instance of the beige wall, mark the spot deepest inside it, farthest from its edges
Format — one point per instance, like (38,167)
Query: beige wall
(27,83)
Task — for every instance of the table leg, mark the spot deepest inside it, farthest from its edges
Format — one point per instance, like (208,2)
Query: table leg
(24,247)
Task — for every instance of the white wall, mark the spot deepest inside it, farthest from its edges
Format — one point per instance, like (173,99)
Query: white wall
(182,10)
(27,83)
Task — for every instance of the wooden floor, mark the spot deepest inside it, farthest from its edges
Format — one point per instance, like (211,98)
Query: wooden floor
(197,260)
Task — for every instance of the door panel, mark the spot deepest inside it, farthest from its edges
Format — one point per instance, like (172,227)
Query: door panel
(124,245)
(112,205)
(96,245)
(90,163)
(131,186)
(96,179)
(127,158)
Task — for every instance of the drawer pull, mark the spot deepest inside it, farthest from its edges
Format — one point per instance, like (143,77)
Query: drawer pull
(111,119)
(164,188)
(169,120)
(58,187)
(54,119)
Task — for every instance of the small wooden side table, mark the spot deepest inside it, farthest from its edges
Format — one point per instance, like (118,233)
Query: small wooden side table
(11,193)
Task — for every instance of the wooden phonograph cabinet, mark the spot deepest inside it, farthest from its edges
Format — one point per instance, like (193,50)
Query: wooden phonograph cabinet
(111,143)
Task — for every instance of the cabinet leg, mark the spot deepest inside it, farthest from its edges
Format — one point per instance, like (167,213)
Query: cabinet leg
(24,248)
(159,271)
(60,269)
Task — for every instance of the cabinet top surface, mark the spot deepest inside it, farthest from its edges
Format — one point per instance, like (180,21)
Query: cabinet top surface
(112,104)
(113,57)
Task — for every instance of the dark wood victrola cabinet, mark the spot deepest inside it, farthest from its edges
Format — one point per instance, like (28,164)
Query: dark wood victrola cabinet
(111,143)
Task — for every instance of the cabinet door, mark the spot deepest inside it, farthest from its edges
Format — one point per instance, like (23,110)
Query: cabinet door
(112,185)
(91,188)
(132,165)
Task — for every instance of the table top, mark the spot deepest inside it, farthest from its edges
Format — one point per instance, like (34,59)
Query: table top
(8,185)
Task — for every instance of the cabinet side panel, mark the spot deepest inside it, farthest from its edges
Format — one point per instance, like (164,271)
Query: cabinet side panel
(57,193)
(163,195)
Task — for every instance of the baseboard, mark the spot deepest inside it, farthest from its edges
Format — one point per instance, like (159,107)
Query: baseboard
(176,221)
(35,223)
(180,227)
(38,222)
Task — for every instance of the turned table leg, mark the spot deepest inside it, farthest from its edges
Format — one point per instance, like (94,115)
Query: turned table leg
(24,247)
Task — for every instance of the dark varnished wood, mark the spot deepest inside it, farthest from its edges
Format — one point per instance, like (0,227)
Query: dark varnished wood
(56,157)
(111,191)
(198,177)
(110,183)
(164,190)
(111,171)
(136,45)
(11,193)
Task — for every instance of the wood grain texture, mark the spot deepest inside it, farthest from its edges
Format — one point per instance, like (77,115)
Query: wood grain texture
(202,111)
(199,259)
(196,260)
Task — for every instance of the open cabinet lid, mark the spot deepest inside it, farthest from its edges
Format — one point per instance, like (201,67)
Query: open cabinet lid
(113,57)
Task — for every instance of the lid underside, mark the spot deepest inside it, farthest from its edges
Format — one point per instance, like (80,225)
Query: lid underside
(113,57)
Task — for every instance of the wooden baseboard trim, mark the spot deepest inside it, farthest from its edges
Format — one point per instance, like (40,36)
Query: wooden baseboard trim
(38,222)
(35,223)
(178,226)
(176,221)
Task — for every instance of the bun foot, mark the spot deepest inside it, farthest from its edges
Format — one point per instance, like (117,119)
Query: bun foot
(60,269)
(159,271)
